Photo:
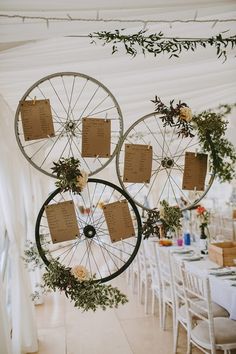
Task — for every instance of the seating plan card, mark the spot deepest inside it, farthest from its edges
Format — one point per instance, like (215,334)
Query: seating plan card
(195,169)
(138,163)
(119,221)
(37,120)
(62,221)
(96,137)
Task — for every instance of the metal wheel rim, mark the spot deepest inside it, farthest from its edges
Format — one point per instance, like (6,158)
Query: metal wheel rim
(138,229)
(75,74)
(119,172)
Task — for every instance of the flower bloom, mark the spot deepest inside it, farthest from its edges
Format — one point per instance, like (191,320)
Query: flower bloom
(185,113)
(201,210)
(82,180)
(162,212)
(80,273)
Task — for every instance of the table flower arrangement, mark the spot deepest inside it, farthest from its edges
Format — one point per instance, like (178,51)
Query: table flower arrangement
(204,218)
(164,222)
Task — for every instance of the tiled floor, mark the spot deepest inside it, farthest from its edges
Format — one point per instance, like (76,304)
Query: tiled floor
(62,329)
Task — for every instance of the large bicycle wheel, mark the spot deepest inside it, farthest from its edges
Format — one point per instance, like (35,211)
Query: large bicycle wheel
(73,96)
(93,248)
(167,166)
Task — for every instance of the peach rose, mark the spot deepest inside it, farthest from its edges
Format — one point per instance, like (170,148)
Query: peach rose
(82,180)
(80,272)
(185,113)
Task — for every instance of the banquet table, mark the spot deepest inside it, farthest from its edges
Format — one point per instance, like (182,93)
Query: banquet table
(222,291)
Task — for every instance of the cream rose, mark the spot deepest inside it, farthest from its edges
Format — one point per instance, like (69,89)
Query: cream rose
(185,113)
(80,272)
(162,212)
(82,180)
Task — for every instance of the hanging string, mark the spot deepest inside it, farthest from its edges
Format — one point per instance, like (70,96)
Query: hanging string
(98,19)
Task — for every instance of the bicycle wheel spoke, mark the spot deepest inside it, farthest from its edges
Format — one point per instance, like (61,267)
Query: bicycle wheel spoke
(69,99)
(181,191)
(99,104)
(40,90)
(102,111)
(82,90)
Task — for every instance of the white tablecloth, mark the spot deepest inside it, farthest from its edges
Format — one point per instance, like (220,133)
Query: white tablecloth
(222,292)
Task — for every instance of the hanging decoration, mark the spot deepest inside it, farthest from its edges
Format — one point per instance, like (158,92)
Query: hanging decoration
(69,175)
(77,283)
(210,127)
(158,43)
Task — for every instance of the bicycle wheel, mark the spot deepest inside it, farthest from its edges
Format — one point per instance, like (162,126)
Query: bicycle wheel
(73,96)
(167,165)
(93,248)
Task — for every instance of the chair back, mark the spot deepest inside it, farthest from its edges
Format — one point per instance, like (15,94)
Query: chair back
(198,302)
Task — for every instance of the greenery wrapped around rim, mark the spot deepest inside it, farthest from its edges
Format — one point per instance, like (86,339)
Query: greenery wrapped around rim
(87,293)
(157,43)
(160,223)
(210,127)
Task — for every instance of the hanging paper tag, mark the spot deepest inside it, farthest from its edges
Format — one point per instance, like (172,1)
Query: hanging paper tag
(138,163)
(119,221)
(37,120)
(195,169)
(62,221)
(96,137)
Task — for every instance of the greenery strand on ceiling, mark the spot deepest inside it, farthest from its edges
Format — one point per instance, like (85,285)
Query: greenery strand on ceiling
(157,43)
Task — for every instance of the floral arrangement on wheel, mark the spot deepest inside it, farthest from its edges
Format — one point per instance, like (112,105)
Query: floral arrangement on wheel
(163,222)
(69,175)
(78,284)
(210,127)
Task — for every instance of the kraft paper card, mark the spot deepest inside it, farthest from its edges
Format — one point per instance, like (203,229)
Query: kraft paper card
(138,163)
(37,120)
(96,137)
(195,169)
(62,221)
(119,221)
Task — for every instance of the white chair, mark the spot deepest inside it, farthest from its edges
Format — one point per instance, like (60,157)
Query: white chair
(181,317)
(154,270)
(208,333)
(144,276)
(166,284)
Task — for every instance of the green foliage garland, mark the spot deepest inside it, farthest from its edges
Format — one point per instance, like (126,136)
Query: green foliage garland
(31,256)
(156,43)
(88,294)
(67,171)
(211,128)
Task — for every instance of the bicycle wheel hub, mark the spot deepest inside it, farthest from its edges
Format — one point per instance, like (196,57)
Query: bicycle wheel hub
(89,231)
(70,127)
(167,162)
